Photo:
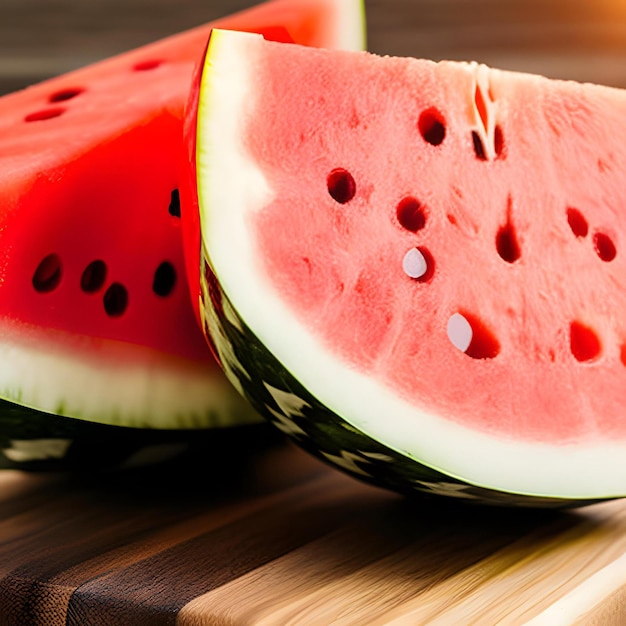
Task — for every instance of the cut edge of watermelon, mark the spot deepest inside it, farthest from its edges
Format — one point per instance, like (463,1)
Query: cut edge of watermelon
(349,33)
(562,470)
(350,26)
(152,389)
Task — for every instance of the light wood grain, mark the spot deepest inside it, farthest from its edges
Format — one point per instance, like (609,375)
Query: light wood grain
(545,578)
(540,577)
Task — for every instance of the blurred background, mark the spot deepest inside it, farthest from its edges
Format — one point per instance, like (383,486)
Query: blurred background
(579,39)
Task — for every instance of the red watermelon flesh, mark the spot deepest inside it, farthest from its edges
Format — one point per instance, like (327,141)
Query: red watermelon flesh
(95,313)
(439,250)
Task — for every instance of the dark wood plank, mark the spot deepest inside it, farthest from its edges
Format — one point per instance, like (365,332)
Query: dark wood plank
(140,525)
(561,38)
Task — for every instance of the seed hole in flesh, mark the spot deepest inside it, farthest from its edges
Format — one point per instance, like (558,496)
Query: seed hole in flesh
(432,127)
(577,222)
(164,279)
(115,300)
(584,343)
(481,107)
(341,185)
(65,94)
(470,335)
(418,263)
(479,149)
(93,276)
(604,247)
(144,66)
(174,208)
(410,214)
(507,244)
(44,114)
(48,274)
(498,143)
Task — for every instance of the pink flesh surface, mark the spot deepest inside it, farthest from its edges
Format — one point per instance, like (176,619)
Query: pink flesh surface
(88,162)
(339,266)
(92,184)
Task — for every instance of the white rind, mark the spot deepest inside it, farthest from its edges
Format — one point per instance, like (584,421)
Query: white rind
(114,383)
(350,27)
(593,470)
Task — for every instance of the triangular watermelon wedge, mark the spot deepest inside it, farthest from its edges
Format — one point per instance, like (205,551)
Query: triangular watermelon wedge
(416,269)
(95,314)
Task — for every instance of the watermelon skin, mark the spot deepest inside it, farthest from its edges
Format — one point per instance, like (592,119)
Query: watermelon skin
(283,354)
(39,442)
(89,174)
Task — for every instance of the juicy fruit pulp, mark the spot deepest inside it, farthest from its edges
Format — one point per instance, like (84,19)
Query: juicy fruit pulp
(447,293)
(95,314)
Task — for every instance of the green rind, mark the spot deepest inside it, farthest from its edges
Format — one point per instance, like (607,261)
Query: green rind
(316,428)
(94,447)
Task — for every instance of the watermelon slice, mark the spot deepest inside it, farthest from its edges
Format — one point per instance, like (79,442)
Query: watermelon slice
(95,314)
(416,269)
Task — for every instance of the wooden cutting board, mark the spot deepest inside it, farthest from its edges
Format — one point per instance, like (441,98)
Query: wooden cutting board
(281,539)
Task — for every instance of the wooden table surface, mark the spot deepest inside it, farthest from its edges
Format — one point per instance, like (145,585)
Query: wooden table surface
(277,538)
(579,39)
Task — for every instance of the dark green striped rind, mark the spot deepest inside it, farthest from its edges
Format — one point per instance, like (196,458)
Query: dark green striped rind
(37,441)
(315,427)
